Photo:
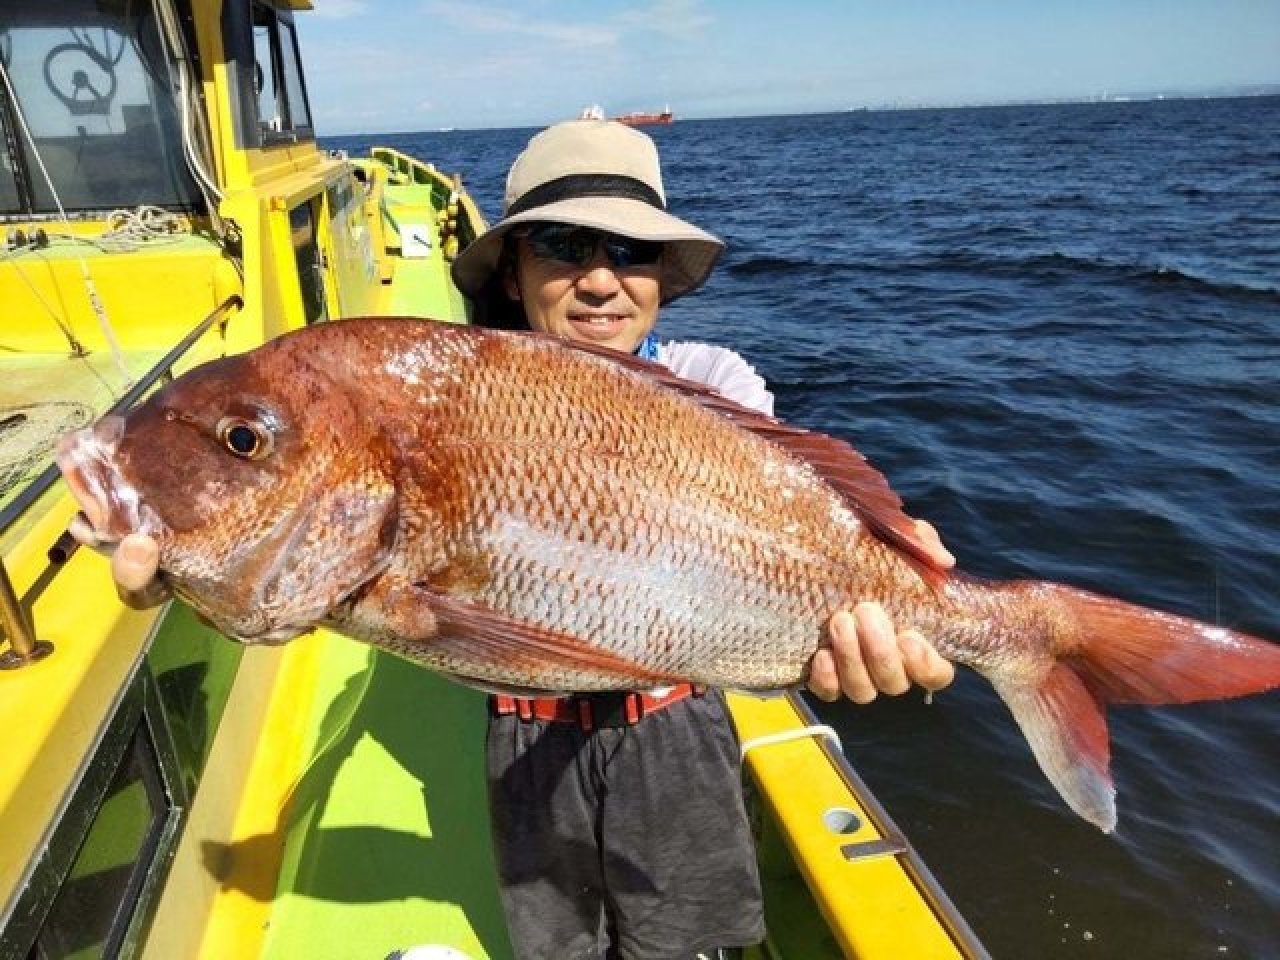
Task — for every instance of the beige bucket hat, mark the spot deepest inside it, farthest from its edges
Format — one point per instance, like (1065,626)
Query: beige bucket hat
(600,174)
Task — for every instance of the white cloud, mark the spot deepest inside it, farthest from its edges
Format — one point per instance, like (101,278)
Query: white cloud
(678,19)
(488,19)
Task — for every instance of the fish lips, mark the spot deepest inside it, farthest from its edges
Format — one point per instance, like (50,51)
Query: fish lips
(110,505)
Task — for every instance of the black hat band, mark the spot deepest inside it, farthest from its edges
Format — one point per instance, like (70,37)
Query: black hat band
(578,185)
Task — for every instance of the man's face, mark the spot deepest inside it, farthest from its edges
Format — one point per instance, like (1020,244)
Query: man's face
(595,301)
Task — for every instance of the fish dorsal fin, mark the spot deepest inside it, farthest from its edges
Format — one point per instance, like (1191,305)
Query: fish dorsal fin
(863,487)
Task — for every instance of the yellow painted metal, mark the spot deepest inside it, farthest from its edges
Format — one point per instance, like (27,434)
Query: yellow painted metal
(52,712)
(218,900)
(873,907)
(192,275)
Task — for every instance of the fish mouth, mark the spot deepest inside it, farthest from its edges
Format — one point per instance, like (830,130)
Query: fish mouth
(109,505)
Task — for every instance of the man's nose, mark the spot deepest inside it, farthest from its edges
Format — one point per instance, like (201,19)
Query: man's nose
(599,276)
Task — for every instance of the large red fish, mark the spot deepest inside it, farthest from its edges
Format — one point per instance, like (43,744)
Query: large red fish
(523,513)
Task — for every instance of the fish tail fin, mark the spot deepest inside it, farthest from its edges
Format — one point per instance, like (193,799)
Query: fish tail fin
(1108,651)
(1130,654)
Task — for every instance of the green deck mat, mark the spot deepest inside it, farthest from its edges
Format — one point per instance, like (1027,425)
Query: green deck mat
(389,841)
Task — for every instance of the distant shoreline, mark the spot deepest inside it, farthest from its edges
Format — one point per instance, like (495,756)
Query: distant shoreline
(1100,100)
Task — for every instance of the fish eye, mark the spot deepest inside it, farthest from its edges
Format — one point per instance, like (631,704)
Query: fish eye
(244,438)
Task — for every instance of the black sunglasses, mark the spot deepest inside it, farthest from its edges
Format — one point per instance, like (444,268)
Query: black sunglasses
(574,245)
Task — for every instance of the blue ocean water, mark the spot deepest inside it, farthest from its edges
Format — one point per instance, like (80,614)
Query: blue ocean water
(1056,329)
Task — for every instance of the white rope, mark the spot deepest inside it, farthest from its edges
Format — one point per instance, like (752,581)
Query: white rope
(786,736)
(131,229)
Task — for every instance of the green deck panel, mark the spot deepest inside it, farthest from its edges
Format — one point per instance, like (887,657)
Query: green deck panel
(388,830)
(417,291)
(389,841)
(420,286)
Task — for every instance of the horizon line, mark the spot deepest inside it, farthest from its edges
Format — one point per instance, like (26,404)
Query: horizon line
(1251,91)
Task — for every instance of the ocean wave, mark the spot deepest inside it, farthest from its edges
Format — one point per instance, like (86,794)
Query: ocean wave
(1034,267)
(754,266)
(1057,263)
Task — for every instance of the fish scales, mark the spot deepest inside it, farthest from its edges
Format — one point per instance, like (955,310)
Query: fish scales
(523,513)
(666,551)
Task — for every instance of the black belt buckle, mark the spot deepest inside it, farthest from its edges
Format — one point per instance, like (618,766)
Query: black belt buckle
(609,709)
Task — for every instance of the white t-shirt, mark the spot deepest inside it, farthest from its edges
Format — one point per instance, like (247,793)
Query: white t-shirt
(717,367)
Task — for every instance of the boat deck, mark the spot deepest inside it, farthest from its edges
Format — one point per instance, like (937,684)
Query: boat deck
(368,829)
(388,842)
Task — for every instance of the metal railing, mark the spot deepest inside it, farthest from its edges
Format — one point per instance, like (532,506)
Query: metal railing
(16,624)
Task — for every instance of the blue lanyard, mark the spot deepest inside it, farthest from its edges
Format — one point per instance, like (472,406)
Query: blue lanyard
(648,349)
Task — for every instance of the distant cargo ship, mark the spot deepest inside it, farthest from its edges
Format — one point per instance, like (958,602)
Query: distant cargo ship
(642,119)
(635,119)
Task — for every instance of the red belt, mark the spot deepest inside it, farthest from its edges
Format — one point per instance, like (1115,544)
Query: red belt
(592,710)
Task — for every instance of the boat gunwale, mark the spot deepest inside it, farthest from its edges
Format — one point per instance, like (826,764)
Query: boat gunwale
(913,864)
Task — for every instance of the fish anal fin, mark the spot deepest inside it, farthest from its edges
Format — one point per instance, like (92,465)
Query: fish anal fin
(480,635)
(863,487)
(1066,726)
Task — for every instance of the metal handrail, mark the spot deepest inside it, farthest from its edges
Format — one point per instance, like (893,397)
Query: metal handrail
(15,622)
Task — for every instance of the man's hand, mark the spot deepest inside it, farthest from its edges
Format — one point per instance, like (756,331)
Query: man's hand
(868,656)
(134,564)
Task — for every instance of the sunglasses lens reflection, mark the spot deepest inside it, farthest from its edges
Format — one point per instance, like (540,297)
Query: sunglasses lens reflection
(577,246)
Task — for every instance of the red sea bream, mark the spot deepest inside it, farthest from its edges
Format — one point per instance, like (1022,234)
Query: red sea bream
(519,512)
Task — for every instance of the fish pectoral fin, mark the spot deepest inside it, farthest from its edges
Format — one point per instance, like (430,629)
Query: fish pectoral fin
(1066,725)
(549,659)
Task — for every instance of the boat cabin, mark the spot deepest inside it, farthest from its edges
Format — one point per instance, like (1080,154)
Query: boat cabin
(164,792)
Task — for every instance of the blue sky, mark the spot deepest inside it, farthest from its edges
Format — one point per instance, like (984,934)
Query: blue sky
(377,66)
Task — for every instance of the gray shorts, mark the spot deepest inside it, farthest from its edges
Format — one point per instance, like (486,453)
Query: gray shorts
(635,836)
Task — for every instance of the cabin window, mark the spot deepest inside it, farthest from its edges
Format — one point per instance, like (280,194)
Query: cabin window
(10,198)
(92,910)
(194,668)
(92,891)
(310,264)
(280,96)
(90,105)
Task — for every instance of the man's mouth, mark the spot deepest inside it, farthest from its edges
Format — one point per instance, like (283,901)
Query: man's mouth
(599,326)
(109,505)
(598,319)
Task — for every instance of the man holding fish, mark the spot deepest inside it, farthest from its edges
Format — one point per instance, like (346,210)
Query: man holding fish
(544,512)
(622,814)
(587,251)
